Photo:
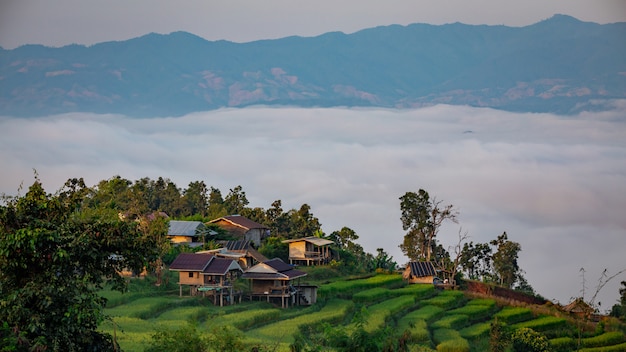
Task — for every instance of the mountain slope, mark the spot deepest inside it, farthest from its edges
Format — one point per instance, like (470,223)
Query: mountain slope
(558,65)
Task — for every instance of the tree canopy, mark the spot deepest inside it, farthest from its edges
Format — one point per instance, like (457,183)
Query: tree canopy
(54,257)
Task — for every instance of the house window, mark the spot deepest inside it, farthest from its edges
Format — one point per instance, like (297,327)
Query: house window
(190,274)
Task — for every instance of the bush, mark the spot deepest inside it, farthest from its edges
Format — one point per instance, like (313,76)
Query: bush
(528,340)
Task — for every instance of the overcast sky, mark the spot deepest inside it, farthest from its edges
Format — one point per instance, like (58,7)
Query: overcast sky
(555,184)
(62,22)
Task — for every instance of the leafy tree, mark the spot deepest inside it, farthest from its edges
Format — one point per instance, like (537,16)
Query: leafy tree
(273,247)
(303,223)
(384,261)
(422,218)
(476,261)
(235,201)
(53,261)
(619,310)
(344,238)
(195,198)
(505,260)
(216,209)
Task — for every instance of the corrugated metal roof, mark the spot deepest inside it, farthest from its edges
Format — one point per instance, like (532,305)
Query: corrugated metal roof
(191,262)
(220,266)
(274,269)
(421,269)
(311,239)
(185,228)
(241,221)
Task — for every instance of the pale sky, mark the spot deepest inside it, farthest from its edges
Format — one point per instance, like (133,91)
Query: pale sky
(62,22)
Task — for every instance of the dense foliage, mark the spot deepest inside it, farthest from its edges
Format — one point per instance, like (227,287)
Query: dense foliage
(54,257)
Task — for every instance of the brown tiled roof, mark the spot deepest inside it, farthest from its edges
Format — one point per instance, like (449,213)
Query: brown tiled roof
(191,262)
(282,271)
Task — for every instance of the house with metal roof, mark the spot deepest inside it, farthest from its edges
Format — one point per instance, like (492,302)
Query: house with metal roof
(191,233)
(207,275)
(419,273)
(309,250)
(241,250)
(242,228)
(275,280)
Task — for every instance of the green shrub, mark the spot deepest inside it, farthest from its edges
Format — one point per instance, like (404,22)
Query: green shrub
(454,322)
(476,331)
(512,315)
(563,344)
(528,340)
(606,339)
(543,323)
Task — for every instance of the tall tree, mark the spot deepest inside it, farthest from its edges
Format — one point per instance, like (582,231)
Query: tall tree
(304,224)
(505,260)
(422,218)
(216,204)
(235,201)
(53,261)
(196,198)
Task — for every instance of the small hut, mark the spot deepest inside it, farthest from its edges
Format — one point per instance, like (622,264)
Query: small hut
(419,273)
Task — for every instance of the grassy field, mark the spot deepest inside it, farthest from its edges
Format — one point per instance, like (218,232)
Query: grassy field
(429,319)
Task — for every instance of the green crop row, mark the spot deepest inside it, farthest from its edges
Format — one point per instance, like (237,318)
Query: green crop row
(475,313)
(563,344)
(454,322)
(449,340)
(417,330)
(284,330)
(419,291)
(476,331)
(149,307)
(606,339)
(379,313)
(246,319)
(373,294)
(445,302)
(491,303)
(614,348)
(427,313)
(512,315)
(543,323)
(347,287)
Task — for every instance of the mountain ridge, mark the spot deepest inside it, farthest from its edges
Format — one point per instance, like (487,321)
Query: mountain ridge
(558,65)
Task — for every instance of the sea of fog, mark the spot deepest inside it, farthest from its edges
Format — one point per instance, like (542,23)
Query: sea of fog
(555,184)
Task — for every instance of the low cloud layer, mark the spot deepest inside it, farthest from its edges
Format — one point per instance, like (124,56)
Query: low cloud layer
(557,185)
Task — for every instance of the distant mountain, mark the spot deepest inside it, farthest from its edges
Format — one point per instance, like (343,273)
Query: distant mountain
(558,65)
